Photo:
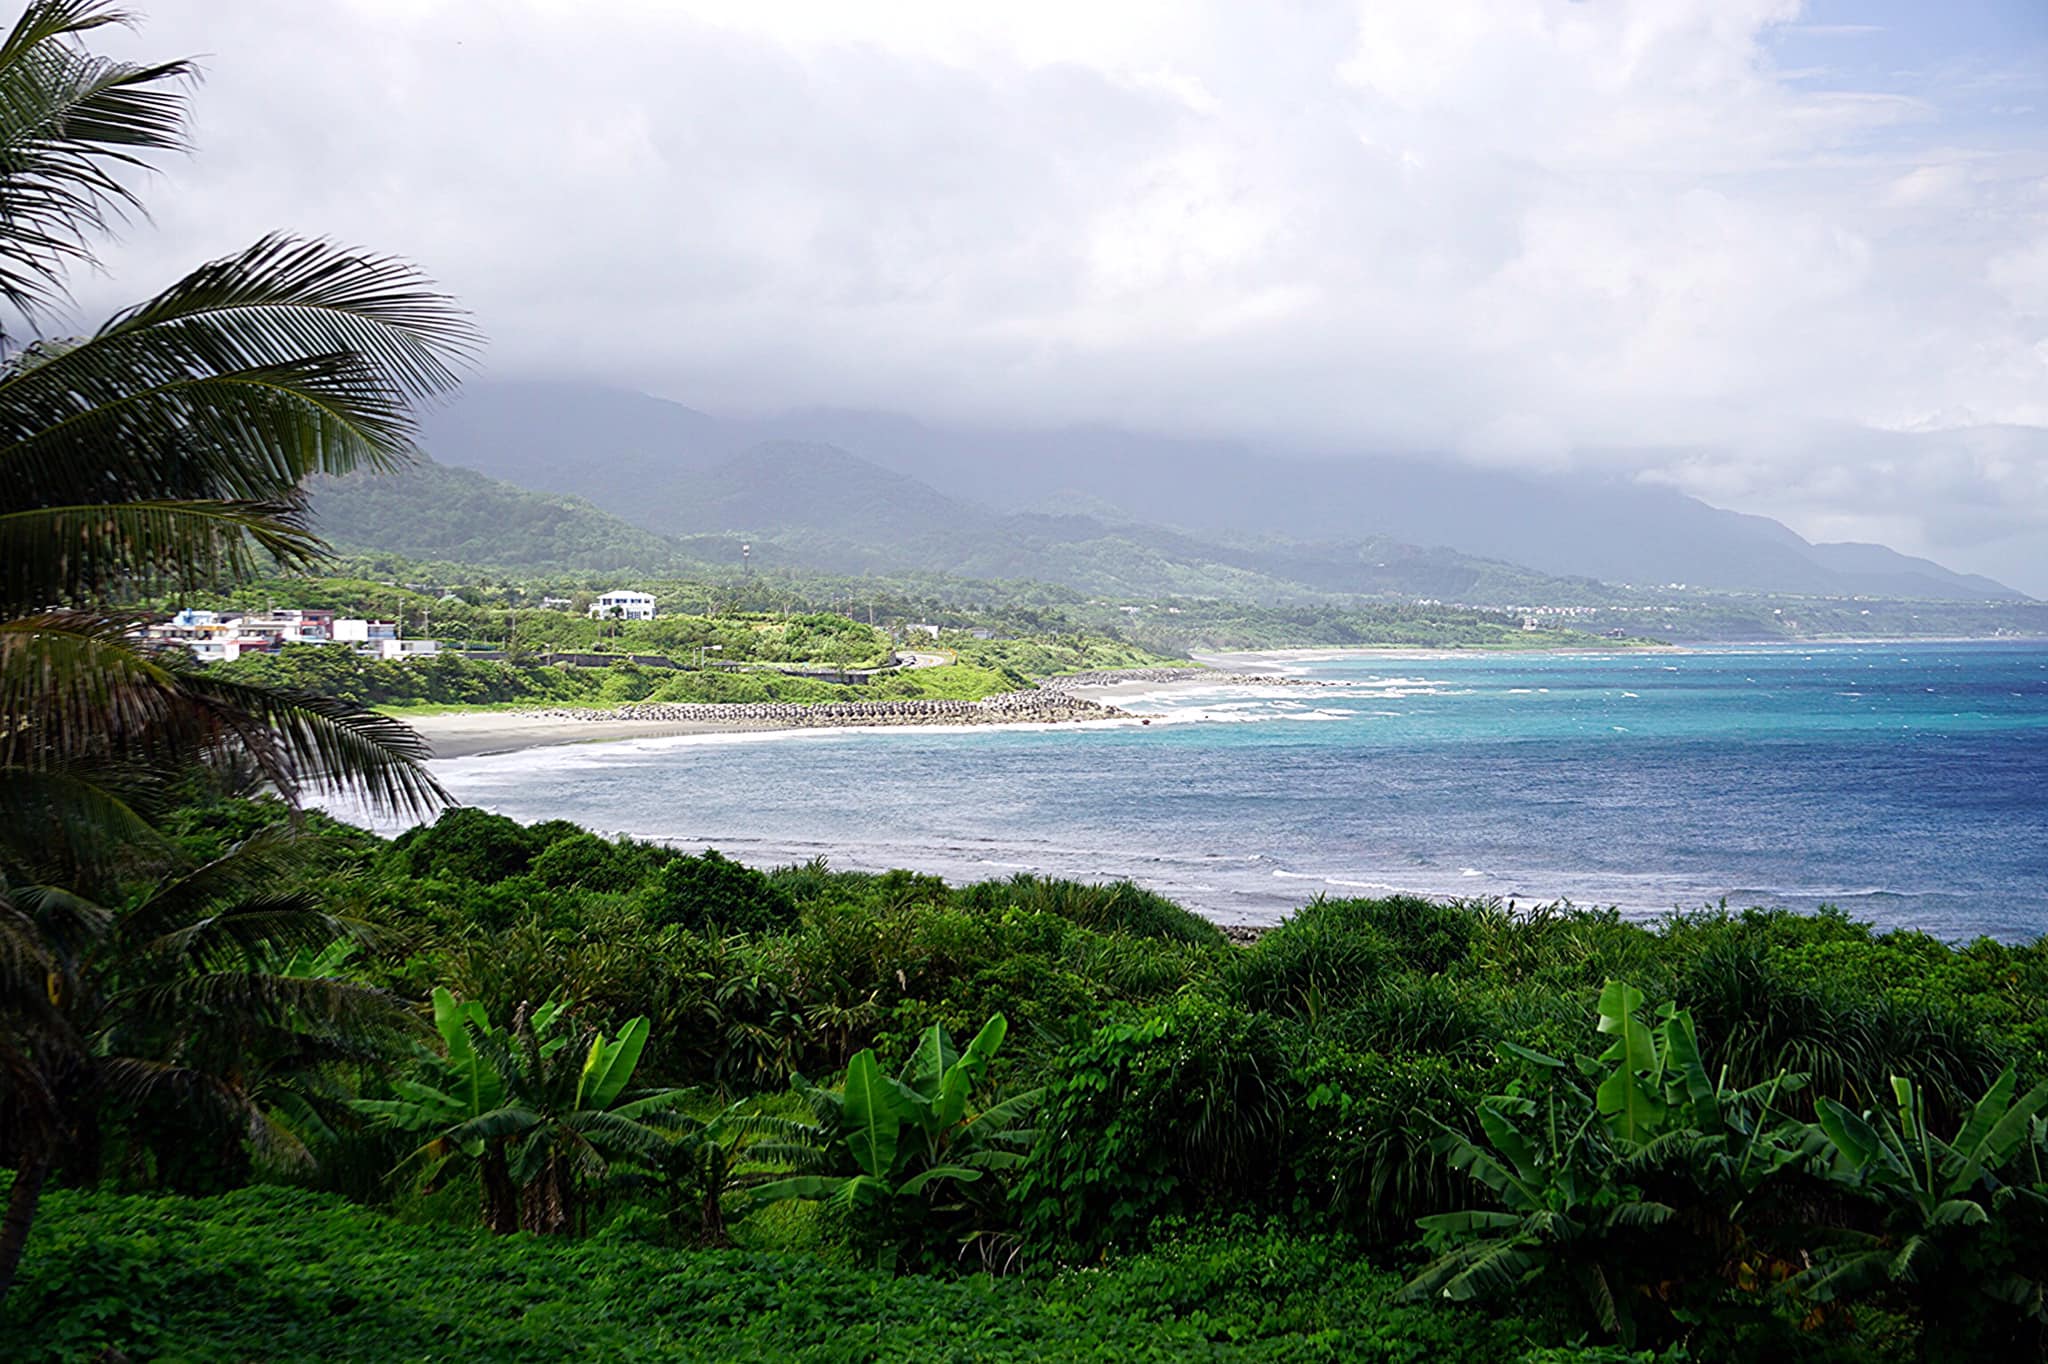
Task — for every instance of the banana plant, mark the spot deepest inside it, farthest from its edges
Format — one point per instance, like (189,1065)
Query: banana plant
(1640,1136)
(541,1108)
(1962,1217)
(904,1148)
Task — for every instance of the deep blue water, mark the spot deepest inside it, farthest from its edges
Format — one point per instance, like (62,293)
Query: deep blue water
(1906,783)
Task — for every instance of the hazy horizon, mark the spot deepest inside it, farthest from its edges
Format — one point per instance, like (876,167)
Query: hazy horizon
(1790,258)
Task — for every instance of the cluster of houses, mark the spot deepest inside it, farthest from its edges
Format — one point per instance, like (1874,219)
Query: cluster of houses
(222,637)
(219,637)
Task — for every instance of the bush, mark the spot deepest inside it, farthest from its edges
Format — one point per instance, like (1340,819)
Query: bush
(1325,956)
(468,844)
(710,893)
(1368,1129)
(1119,906)
(587,862)
(1174,1112)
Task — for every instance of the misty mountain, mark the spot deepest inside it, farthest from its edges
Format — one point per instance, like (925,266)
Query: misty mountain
(433,512)
(878,490)
(791,485)
(816,507)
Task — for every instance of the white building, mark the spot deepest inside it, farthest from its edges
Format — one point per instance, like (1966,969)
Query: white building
(399,648)
(623,606)
(379,639)
(364,631)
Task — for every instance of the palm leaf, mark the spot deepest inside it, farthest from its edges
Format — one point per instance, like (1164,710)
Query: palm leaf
(59,553)
(70,125)
(300,740)
(54,823)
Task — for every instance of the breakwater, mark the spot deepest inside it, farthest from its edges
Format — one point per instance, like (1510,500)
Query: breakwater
(1043,706)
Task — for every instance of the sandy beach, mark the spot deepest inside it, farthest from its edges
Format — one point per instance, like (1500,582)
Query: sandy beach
(465,734)
(468,734)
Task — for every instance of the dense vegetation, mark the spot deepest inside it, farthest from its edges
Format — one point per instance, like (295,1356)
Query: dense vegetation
(275,1274)
(1742,1177)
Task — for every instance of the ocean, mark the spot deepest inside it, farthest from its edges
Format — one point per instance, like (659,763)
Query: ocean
(1905,783)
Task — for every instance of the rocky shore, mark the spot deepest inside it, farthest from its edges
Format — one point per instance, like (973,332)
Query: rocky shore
(1038,707)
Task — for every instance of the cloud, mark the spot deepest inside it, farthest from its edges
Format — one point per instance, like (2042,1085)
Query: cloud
(1516,231)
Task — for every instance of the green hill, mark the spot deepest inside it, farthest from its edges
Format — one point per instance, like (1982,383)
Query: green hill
(433,512)
(817,508)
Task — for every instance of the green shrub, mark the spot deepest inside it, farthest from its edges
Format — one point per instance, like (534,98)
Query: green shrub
(1117,906)
(1324,957)
(1174,1112)
(587,862)
(1369,1130)
(709,893)
(468,844)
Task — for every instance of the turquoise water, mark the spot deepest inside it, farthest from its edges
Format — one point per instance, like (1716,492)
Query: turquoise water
(1905,783)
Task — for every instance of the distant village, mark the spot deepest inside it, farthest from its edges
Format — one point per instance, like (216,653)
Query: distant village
(220,637)
(223,637)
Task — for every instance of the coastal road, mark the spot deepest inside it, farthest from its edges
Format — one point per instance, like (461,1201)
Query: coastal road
(908,658)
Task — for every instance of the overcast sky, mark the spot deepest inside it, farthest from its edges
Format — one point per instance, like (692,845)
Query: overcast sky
(1792,257)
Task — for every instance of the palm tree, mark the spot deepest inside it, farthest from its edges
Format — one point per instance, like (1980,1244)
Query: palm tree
(171,1003)
(167,449)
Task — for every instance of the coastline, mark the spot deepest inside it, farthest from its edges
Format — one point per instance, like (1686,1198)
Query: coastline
(471,734)
(477,733)
(1097,696)
(1082,698)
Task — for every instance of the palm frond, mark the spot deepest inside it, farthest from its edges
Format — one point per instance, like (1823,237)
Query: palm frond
(70,124)
(53,824)
(304,741)
(67,925)
(52,554)
(249,872)
(288,358)
(75,688)
(73,685)
(250,997)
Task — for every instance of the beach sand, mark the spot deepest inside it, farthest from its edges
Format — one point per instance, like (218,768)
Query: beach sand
(468,734)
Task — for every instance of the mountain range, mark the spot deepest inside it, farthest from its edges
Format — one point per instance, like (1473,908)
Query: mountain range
(1105,511)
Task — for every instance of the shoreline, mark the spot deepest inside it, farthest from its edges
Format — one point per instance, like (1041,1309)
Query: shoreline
(1083,698)
(475,734)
